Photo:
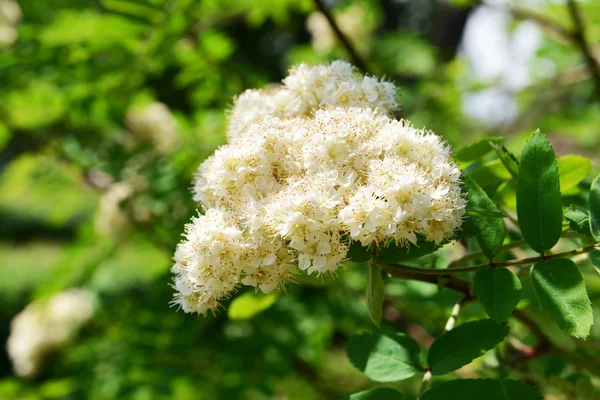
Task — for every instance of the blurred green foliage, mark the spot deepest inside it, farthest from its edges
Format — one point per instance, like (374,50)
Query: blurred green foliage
(68,85)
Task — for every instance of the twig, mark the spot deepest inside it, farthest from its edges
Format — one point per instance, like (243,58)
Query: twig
(356,58)
(581,40)
(509,263)
(451,282)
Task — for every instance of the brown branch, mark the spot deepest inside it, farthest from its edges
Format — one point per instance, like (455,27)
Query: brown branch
(407,269)
(451,282)
(581,40)
(356,58)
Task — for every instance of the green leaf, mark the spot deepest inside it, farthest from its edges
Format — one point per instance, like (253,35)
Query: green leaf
(477,389)
(498,290)
(572,170)
(490,173)
(248,304)
(383,358)
(394,253)
(463,344)
(489,230)
(594,204)
(478,149)
(538,194)
(508,159)
(358,253)
(375,294)
(559,287)
(579,220)
(594,256)
(378,394)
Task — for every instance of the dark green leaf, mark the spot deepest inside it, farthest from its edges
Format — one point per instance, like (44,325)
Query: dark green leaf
(479,389)
(498,290)
(508,159)
(539,205)
(579,220)
(358,253)
(384,358)
(489,229)
(572,170)
(394,253)
(595,259)
(594,204)
(463,344)
(377,394)
(478,149)
(559,287)
(375,294)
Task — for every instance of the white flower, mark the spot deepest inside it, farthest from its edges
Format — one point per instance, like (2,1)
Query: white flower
(45,326)
(308,168)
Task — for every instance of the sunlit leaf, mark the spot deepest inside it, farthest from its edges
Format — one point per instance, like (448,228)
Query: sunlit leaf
(248,304)
(539,205)
(384,358)
(559,287)
(463,344)
(377,394)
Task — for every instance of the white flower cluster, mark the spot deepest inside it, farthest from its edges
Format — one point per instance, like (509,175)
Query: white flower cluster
(45,326)
(291,190)
(307,89)
(10,15)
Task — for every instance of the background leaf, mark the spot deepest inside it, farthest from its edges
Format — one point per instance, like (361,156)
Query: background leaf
(248,304)
(498,290)
(594,204)
(572,170)
(508,159)
(478,149)
(538,194)
(559,287)
(463,344)
(478,389)
(383,358)
(375,294)
(489,230)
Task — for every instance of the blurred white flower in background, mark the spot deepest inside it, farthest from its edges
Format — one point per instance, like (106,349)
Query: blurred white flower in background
(110,219)
(45,326)
(154,123)
(10,15)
